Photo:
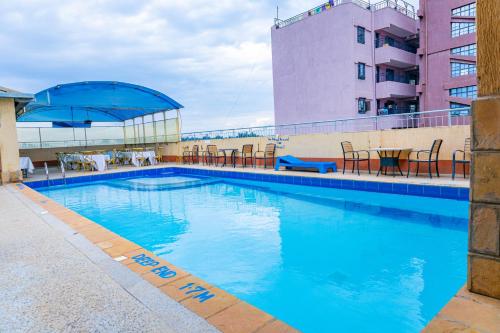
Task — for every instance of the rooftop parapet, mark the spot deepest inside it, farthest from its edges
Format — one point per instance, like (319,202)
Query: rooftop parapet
(401,6)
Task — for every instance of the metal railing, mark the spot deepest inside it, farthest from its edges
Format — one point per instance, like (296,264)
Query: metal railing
(35,136)
(437,118)
(400,5)
(317,10)
(382,77)
(381,42)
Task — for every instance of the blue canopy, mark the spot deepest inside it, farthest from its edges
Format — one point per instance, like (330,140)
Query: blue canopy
(85,102)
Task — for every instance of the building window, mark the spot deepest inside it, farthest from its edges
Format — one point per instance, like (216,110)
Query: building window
(363,105)
(462,28)
(464,112)
(467,10)
(460,68)
(466,50)
(361,71)
(464,92)
(361,35)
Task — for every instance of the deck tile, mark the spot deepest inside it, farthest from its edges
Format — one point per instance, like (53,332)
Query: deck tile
(277,326)
(205,309)
(183,288)
(163,274)
(240,318)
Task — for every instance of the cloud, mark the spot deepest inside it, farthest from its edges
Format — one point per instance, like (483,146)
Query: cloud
(214,57)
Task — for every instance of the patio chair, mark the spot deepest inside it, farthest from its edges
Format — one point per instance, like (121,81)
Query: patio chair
(426,156)
(212,155)
(268,153)
(85,162)
(195,154)
(247,153)
(158,156)
(141,159)
(465,158)
(186,155)
(113,158)
(354,156)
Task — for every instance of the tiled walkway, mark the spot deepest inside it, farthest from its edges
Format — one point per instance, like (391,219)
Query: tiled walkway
(52,279)
(444,180)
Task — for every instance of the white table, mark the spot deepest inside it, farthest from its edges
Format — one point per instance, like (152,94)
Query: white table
(99,160)
(133,155)
(26,164)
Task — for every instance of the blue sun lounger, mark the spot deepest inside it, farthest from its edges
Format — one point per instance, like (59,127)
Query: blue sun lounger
(290,162)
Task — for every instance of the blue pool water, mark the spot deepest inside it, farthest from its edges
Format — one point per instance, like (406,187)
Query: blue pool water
(321,259)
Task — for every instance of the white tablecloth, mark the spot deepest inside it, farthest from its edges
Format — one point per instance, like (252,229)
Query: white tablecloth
(100,161)
(133,155)
(26,164)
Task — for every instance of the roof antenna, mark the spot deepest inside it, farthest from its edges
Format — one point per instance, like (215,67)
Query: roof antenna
(277,20)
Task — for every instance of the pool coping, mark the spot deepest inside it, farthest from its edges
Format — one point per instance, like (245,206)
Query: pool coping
(433,191)
(222,310)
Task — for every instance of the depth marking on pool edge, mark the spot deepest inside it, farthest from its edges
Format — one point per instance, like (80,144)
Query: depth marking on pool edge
(201,294)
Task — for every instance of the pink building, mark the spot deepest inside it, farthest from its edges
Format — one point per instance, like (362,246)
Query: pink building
(349,58)
(447,54)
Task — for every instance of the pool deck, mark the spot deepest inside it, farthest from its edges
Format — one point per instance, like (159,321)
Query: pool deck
(444,180)
(51,255)
(52,279)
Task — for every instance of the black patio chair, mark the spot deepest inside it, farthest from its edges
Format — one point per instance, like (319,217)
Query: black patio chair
(354,156)
(465,158)
(426,156)
(265,155)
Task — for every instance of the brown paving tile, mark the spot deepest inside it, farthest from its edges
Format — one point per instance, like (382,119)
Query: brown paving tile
(173,289)
(120,249)
(240,318)
(222,300)
(99,235)
(162,274)
(440,325)
(136,252)
(464,293)
(88,228)
(140,269)
(277,326)
(471,314)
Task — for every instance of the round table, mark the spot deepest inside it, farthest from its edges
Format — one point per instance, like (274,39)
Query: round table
(233,152)
(389,157)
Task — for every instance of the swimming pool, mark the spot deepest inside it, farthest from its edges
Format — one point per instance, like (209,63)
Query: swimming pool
(320,259)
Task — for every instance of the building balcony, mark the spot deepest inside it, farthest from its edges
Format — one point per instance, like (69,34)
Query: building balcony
(395,21)
(396,54)
(396,89)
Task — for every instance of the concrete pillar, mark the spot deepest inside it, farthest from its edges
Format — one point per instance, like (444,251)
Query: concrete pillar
(9,148)
(484,226)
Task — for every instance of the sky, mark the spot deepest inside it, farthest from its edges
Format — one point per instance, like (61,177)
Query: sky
(214,57)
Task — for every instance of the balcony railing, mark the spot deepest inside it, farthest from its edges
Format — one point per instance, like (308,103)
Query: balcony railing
(317,10)
(397,78)
(381,42)
(438,118)
(400,5)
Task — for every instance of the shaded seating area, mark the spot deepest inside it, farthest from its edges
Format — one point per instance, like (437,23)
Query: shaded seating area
(429,157)
(462,157)
(81,114)
(354,156)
